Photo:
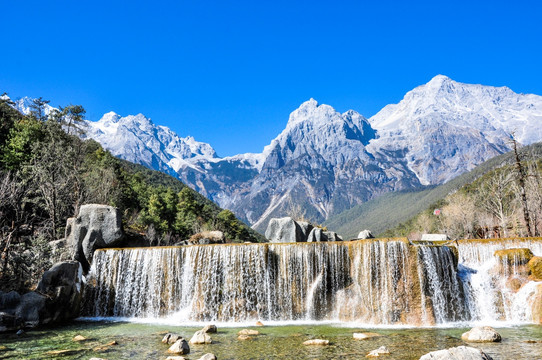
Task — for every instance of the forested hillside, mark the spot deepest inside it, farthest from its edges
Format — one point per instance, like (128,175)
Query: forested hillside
(47,172)
(394,214)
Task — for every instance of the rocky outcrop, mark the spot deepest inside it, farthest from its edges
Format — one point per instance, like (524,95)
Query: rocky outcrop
(287,230)
(57,298)
(481,334)
(519,256)
(457,353)
(96,227)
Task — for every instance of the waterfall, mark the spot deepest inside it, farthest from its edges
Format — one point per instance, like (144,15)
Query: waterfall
(386,281)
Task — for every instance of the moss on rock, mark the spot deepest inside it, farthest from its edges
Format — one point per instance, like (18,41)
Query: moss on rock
(519,256)
(535,267)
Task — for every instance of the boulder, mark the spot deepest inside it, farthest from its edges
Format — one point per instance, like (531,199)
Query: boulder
(179,347)
(379,352)
(535,268)
(259,323)
(457,353)
(305,227)
(316,235)
(284,230)
(365,234)
(96,227)
(9,300)
(209,329)
(319,342)
(171,338)
(208,356)
(57,298)
(31,309)
(201,337)
(481,334)
(249,332)
(79,338)
(332,236)
(62,284)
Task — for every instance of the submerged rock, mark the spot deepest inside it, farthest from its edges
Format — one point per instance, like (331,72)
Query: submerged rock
(200,337)
(320,342)
(364,336)
(179,347)
(379,352)
(249,332)
(457,353)
(79,338)
(243,337)
(481,334)
(175,358)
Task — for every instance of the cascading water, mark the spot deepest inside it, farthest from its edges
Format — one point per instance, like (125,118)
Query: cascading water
(374,282)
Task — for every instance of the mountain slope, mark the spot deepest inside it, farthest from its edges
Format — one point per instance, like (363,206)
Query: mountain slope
(390,210)
(325,162)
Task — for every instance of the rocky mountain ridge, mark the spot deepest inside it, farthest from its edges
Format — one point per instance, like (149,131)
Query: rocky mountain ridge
(325,162)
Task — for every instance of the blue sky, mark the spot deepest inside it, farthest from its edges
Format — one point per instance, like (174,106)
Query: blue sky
(230,72)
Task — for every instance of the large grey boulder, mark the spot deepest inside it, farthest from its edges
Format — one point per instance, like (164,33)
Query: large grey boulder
(96,227)
(284,230)
(63,286)
(201,337)
(57,298)
(365,234)
(481,334)
(318,235)
(179,347)
(457,353)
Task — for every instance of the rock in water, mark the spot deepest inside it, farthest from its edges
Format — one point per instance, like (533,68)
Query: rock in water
(200,337)
(179,347)
(208,356)
(210,329)
(481,334)
(320,342)
(79,338)
(364,336)
(96,227)
(379,352)
(171,338)
(244,337)
(457,353)
(249,332)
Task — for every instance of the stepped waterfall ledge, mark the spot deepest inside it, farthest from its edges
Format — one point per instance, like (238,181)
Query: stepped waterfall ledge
(377,281)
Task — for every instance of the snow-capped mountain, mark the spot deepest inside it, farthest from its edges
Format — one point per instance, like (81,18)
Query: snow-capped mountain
(446,128)
(24,105)
(325,162)
(139,140)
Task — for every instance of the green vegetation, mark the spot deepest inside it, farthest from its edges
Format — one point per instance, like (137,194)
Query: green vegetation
(47,172)
(399,214)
